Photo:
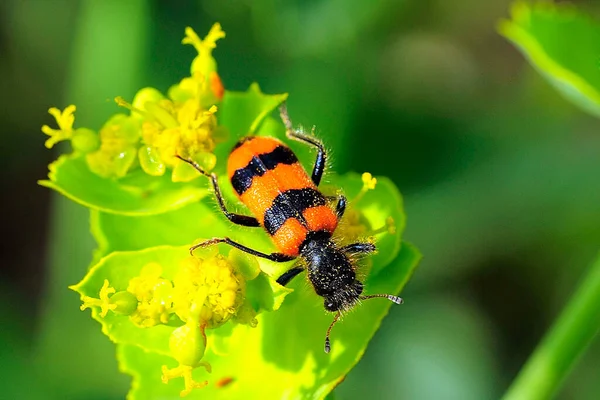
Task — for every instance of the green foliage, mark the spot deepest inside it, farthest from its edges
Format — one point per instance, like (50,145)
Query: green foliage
(170,313)
(563,44)
(135,194)
(564,343)
(119,268)
(138,193)
(298,326)
(284,353)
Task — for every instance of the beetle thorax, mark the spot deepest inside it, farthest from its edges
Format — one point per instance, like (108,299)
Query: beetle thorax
(331,274)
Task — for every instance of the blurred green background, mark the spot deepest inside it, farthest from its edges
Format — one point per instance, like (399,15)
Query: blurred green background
(499,173)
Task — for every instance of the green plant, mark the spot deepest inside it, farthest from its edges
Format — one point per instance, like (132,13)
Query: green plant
(170,313)
(546,34)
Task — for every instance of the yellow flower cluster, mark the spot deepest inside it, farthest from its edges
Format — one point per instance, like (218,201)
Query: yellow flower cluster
(158,128)
(154,295)
(205,293)
(209,290)
(211,286)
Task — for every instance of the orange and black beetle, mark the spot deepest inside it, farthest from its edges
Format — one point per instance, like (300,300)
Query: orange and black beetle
(286,202)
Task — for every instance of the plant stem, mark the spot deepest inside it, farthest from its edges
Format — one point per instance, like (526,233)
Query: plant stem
(571,334)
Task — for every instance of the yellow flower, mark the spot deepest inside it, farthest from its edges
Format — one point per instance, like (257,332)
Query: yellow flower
(190,137)
(64,120)
(185,124)
(82,139)
(154,295)
(123,303)
(185,372)
(158,128)
(204,63)
(209,288)
(206,294)
(187,344)
(103,301)
(204,84)
(369,181)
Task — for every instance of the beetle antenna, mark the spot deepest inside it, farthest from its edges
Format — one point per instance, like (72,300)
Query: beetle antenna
(327,342)
(395,299)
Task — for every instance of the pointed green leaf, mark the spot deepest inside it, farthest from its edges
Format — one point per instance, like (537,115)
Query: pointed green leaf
(563,44)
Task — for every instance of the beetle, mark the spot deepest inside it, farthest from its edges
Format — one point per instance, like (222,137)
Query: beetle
(286,202)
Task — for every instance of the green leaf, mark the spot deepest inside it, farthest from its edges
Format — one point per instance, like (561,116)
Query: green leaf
(563,44)
(180,227)
(304,322)
(120,267)
(377,205)
(283,356)
(265,293)
(285,344)
(136,194)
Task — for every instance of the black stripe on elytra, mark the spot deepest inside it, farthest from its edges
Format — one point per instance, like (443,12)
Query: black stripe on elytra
(291,204)
(259,165)
(242,141)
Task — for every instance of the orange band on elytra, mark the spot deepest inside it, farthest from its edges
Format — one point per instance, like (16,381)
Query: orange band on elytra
(240,157)
(289,237)
(320,218)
